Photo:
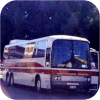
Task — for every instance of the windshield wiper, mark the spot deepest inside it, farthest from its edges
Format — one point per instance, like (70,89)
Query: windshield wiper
(81,60)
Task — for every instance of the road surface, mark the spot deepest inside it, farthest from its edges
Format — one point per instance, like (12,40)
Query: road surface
(26,92)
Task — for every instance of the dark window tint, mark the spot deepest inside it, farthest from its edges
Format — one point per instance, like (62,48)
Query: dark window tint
(81,54)
(70,54)
(48,51)
(16,52)
(61,53)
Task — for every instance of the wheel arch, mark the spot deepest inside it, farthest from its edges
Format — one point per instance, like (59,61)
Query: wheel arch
(36,77)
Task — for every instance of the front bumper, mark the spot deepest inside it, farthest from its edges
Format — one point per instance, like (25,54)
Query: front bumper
(70,85)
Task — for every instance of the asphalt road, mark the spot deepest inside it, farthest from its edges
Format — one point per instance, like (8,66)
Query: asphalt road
(26,92)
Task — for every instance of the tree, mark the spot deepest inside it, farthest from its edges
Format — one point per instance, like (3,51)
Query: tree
(35,19)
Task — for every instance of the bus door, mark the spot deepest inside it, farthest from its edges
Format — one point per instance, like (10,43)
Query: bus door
(94,60)
(48,57)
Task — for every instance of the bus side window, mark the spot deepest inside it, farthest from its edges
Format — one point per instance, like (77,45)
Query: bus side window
(5,54)
(29,50)
(48,52)
(40,51)
(34,51)
(26,51)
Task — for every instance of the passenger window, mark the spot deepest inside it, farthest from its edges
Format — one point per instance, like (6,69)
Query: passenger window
(40,50)
(5,54)
(26,51)
(29,50)
(35,50)
(16,52)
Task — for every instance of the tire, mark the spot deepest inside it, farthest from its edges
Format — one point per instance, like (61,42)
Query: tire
(11,81)
(7,80)
(38,85)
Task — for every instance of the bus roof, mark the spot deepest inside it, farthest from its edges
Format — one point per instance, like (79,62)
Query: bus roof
(54,37)
(16,41)
(69,37)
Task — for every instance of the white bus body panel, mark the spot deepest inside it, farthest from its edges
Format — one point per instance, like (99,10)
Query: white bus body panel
(29,78)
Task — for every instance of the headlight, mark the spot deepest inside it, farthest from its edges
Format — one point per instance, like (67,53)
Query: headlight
(57,77)
(87,79)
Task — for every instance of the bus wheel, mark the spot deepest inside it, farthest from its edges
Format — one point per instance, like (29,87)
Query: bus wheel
(7,79)
(11,80)
(38,85)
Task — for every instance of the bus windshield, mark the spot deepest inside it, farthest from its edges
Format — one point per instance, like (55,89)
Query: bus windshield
(70,54)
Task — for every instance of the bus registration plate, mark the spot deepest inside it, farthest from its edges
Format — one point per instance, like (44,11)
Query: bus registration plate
(72,87)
